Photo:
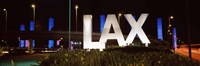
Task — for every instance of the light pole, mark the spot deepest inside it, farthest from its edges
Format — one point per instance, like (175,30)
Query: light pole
(76,7)
(69,39)
(6,12)
(119,15)
(170,25)
(169,31)
(33,6)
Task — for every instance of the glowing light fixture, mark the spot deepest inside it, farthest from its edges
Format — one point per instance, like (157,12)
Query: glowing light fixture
(32,26)
(22,27)
(102,22)
(159,29)
(174,38)
(50,43)
(51,23)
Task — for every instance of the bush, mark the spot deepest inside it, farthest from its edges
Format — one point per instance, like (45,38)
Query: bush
(127,56)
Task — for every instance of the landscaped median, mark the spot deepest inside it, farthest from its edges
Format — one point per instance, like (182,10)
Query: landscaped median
(121,56)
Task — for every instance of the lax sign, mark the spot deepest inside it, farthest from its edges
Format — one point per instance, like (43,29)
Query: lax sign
(111,21)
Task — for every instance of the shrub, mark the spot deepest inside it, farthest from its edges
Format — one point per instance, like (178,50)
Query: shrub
(127,56)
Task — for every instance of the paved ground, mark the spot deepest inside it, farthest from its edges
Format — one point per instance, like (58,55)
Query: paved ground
(21,60)
(183,50)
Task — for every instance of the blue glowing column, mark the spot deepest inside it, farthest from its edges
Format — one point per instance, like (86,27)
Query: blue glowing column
(102,22)
(33,43)
(22,42)
(32,26)
(50,43)
(174,38)
(159,29)
(22,27)
(51,24)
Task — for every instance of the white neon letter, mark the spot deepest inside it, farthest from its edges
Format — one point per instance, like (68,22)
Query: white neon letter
(137,29)
(87,37)
(111,21)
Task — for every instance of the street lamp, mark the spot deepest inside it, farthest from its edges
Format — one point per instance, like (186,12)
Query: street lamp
(76,7)
(119,15)
(33,6)
(169,30)
(69,37)
(170,25)
(6,12)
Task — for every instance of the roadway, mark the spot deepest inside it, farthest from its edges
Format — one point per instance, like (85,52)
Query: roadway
(195,50)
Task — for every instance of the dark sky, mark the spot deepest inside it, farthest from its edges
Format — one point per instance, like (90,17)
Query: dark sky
(20,12)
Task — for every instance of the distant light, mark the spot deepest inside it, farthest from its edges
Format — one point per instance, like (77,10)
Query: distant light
(22,27)
(72,42)
(51,23)
(171,17)
(58,42)
(170,25)
(4,10)
(26,43)
(5,52)
(33,43)
(61,38)
(50,43)
(19,38)
(76,6)
(119,14)
(33,6)
(168,30)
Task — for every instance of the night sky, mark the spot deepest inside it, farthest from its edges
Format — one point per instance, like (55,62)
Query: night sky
(20,12)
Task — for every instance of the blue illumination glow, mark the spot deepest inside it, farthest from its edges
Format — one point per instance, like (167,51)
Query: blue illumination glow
(159,29)
(22,27)
(174,38)
(51,23)
(33,43)
(135,17)
(22,43)
(102,22)
(31,25)
(51,43)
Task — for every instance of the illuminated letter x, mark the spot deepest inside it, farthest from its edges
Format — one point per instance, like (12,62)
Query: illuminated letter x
(137,29)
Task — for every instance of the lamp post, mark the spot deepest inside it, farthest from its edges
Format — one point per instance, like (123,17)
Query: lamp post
(33,6)
(119,15)
(76,7)
(169,30)
(6,13)
(69,39)
(170,25)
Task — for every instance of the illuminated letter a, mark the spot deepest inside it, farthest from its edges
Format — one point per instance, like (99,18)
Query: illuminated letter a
(111,21)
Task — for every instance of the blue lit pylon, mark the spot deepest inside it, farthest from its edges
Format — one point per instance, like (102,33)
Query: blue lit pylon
(102,22)
(174,38)
(159,29)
